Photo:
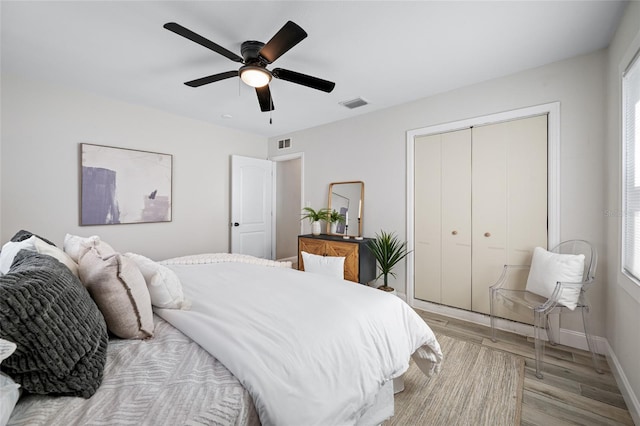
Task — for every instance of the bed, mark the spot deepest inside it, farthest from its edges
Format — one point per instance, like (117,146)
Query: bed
(167,380)
(253,342)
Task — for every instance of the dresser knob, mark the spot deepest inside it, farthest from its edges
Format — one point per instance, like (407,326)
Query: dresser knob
(487,234)
(454,232)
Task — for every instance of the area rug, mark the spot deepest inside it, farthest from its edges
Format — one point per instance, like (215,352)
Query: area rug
(476,386)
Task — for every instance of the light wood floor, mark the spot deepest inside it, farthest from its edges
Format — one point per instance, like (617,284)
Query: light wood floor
(571,393)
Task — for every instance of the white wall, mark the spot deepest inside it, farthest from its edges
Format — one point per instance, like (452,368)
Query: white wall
(623,296)
(42,127)
(288,188)
(372,148)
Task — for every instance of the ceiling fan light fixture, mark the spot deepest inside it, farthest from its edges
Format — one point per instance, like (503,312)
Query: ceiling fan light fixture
(255,76)
(256,56)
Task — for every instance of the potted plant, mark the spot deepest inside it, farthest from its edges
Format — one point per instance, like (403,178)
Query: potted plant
(388,250)
(334,218)
(315,216)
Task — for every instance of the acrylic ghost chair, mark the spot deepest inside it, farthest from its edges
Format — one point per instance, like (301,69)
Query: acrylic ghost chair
(542,307)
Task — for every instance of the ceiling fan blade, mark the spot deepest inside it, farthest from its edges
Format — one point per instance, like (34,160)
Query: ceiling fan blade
(211,78)
(303,79)
(264,98)
(187,33)
(288,36)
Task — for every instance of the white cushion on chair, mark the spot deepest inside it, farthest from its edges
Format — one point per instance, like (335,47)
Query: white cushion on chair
(548,268)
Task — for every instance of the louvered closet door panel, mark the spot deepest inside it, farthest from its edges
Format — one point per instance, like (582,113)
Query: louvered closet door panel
(427,214)
(456,219)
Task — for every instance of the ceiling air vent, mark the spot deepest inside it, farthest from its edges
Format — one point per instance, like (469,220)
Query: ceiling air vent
(354,103)
(284,143)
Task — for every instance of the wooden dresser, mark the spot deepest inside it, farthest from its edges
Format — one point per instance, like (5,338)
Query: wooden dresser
(359,263)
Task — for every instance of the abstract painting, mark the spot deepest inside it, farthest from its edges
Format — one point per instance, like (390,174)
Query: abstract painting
(120,185)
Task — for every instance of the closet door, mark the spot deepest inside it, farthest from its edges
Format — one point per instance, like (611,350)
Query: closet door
(456,219)
(428,218)
(443,218)
(509,174)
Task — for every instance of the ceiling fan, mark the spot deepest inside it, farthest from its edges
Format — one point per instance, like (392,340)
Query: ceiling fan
(255,58)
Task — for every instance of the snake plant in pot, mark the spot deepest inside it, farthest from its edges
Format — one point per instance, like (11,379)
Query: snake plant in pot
(388,250)
(315,216)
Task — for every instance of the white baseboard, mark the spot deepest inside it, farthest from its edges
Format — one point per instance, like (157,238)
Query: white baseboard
(474,317)
(577,339)
(630,398)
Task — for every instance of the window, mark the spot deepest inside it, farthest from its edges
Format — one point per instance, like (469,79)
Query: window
(631,168)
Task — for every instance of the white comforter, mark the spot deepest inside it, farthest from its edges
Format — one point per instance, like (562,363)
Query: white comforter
(311,350)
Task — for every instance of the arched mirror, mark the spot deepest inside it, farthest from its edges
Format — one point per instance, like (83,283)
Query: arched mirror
(347,199)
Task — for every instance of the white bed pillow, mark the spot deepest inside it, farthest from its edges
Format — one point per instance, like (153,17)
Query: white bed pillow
(43,247)
(9,390)
(548,268)
(33,243)
(75,246)
(163,284)
(11,248)
(324,265)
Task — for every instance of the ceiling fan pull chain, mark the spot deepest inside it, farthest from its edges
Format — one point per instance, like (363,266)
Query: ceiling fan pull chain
(271,108)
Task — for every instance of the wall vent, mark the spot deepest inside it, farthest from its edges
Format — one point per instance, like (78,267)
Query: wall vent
(354,103)
(284,143)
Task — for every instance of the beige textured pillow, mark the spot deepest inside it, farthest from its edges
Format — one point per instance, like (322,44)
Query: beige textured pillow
(120,291)
(76,246)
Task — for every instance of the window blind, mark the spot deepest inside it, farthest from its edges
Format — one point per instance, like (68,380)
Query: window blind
(631,172)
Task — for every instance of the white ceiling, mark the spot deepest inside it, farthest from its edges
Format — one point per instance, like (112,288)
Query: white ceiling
(388,52)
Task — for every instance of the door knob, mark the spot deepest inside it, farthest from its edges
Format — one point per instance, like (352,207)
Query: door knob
(236,224)
(454,232)
(487,234)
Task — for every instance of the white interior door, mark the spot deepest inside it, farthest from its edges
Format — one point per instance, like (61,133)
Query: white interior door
(251,206)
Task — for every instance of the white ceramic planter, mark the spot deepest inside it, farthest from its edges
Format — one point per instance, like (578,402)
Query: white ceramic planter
(315,228)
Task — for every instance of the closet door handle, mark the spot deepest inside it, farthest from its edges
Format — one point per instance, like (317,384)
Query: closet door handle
(487,234)
(454,232)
